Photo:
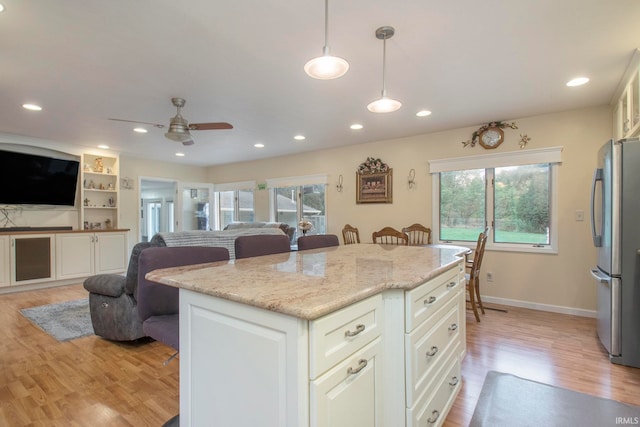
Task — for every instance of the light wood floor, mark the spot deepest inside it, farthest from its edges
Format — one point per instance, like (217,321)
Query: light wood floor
(94,382)
(84,382)
(551,348)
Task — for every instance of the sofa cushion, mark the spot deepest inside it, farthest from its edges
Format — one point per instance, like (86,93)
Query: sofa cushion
(164,328)
(218,238)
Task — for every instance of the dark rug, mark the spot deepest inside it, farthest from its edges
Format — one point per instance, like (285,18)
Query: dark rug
(507,400)
(63,321)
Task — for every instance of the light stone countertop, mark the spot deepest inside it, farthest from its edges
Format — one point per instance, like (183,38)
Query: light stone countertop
(309,284)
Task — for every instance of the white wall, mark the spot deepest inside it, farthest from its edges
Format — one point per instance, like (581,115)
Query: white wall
(557,282)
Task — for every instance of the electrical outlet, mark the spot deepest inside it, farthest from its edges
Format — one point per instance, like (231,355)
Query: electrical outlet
(489,277)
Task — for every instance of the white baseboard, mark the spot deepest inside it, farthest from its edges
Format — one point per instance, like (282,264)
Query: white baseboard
(541,307)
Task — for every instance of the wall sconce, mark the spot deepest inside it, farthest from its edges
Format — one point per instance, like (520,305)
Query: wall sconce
(412,178)
(339,186)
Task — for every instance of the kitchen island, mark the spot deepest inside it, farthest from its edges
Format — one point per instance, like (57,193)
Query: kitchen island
(355,335)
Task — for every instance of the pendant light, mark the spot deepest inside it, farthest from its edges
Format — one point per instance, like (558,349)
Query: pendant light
(384,104)
(326,67)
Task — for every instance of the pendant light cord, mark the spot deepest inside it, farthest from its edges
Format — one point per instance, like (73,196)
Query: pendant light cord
(325,49)
(384,66)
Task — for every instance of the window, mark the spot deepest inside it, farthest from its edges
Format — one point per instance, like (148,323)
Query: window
(516,200)
(234,203)
(306,201)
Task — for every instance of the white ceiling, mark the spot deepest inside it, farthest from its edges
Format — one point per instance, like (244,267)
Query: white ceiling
(240,61)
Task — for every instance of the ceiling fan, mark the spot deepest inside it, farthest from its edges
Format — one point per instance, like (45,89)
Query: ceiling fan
(179,127)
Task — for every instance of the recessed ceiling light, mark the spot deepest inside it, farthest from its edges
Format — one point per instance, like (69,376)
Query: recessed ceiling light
(578,81)
(179,154)
(103,146)
(140,130)
(299,137)
(32,107)
(258,145)
(356,126)
(1,7)
(423,113)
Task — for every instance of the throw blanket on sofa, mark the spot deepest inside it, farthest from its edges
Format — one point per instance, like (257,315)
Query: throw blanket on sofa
(224,238)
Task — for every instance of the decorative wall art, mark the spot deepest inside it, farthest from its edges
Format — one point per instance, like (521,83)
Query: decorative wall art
(374,182)
(491,135)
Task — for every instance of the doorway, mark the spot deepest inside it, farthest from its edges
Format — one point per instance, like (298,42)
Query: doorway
(157,207)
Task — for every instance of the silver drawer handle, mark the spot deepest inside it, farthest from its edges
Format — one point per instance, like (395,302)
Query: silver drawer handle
(454,381)
(451,285)
(430,300)
(432,352)
(453,327)
(359,328)
(434,417)
(362,363)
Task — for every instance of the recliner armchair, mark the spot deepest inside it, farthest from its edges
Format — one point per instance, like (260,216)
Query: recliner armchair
(112,301)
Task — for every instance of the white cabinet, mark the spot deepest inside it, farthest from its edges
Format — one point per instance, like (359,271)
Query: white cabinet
(346,366)
(626,106)
(99,192)
(350,394)
(86,254)
(390,360)
(434,347)
(5,261)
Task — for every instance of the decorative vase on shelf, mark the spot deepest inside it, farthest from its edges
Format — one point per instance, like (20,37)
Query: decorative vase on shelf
(305,226)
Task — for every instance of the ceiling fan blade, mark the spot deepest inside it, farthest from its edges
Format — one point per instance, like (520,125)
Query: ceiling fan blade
(135,121)
(210,126)
(188,142)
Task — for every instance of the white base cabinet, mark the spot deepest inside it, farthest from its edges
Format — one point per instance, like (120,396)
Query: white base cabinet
(5,261)
(86,254)
(35,259)
(245,366)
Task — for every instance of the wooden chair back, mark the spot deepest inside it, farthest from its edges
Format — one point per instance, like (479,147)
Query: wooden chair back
(418,234)
(350,235)
(390,236)
(473,279)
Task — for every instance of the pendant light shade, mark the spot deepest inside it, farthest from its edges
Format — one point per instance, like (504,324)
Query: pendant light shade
(384,104)
(326,67)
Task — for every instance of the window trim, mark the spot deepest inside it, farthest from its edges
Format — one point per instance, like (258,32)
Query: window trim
(490,161)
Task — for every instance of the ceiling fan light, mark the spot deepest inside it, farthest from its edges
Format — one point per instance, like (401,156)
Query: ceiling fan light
(326,67)
(178,136)
(384,105)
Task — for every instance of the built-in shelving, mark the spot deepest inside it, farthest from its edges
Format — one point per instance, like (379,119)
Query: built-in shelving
(99,192)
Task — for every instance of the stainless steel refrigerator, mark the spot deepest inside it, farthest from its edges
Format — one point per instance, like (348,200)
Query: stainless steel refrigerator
(615,227)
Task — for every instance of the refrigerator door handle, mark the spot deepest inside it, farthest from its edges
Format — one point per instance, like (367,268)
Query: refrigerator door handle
(599,276)
(597,238)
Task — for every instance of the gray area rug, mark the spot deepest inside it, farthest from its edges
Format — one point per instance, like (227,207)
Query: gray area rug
(63,321)
(507,400)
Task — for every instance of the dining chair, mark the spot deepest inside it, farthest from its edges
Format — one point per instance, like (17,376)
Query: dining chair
(390,236)
(350,235)
(317,241)
(418,234)
(261,244)
(473,277)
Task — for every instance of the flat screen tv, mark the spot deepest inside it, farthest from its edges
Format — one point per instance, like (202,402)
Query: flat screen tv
(29,179)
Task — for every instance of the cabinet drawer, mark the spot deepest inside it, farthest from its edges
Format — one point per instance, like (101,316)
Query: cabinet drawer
(434,404)
(426,299)
(335,336)
(348,395)
(428,346)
